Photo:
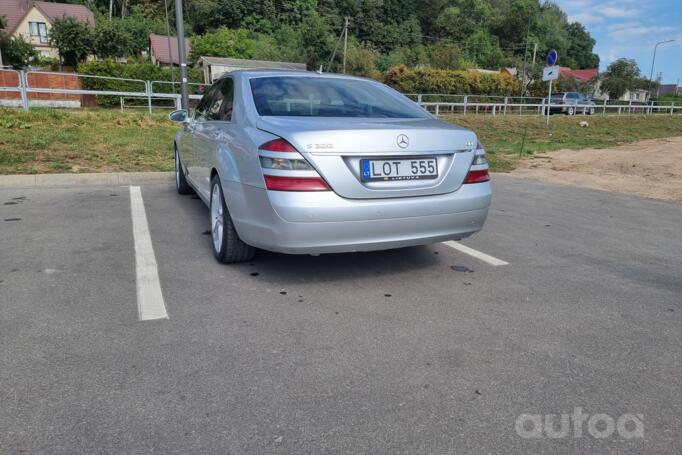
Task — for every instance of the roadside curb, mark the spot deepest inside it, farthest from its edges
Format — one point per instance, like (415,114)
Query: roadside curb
(94,179)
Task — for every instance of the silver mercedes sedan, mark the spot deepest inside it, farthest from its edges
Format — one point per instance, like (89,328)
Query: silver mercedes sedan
(308,163)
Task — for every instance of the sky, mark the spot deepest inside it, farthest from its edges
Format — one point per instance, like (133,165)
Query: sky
(630,29)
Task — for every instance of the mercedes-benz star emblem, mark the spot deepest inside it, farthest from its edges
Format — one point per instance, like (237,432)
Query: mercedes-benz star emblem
(403,141)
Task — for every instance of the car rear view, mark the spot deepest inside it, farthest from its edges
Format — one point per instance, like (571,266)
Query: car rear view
(350,165)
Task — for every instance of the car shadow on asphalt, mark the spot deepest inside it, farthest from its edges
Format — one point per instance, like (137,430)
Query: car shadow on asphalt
(277,267)
(340,266)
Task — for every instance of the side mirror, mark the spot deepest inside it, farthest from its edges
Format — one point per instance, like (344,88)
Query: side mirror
(179,116)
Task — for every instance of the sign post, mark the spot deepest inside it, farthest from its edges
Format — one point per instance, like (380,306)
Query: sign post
(550,73)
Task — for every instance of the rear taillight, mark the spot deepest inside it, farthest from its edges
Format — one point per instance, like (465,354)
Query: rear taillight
(478,173)
(477,176)
(284,169)
(479,155)
(278,145)
(280,183)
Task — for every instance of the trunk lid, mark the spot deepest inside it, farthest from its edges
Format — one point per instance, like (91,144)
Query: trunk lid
(336,146)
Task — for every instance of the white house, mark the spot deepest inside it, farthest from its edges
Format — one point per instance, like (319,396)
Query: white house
(213,67)
(33,20)
(640,95)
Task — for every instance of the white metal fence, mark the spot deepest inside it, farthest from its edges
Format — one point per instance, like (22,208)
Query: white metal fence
(447,104)
(69,95)
(150,95)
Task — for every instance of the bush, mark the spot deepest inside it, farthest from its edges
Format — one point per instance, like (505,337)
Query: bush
(15,51)
(112,40)
(47,63)
(142,71)
(222,43)
(429,80)
(73,39)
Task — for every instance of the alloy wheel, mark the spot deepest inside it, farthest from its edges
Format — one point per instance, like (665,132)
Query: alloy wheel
(177,170)
(216,217)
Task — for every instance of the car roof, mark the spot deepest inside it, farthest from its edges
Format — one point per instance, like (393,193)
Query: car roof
(256,73)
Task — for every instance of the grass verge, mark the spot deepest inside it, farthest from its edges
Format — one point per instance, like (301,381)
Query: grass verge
(51,141)
(503,136)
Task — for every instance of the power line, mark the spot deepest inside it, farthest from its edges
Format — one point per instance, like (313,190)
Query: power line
(465,43)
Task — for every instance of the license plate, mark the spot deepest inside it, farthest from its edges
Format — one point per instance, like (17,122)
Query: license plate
(399,169)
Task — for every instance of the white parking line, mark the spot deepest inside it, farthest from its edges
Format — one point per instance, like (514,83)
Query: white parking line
(475,253)
(150,303)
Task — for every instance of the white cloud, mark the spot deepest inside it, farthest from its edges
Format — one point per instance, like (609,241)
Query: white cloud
(586,18)
(575,4)
(614,11)
(630,29)
(634,30)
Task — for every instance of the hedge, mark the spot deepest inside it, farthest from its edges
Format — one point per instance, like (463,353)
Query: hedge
(462,82)
(142,71)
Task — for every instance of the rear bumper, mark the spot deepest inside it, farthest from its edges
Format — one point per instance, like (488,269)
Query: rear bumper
(323,222)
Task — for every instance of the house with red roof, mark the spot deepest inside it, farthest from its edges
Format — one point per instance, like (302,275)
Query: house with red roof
(582,76)
(32,20)
(164,53)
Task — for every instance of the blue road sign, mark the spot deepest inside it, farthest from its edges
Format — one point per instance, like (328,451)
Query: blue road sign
(552,57)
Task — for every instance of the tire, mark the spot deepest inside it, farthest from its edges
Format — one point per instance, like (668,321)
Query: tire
(591,112)
(180,180)
(225,242)
(570,111)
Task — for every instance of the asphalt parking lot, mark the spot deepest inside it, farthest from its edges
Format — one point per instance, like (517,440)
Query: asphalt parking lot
(422,350)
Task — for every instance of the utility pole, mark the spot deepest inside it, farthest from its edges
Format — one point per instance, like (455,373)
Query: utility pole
(182,58)
(653,60)
(525,55)
(659,79)
(345,42)
(170,54)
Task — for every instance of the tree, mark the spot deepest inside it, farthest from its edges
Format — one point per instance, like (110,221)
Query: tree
(393,35)
(112,40)
(513,25)
(15,51)
(444,55)
(73,39)
(580,47)
(463,19)
(317,41)
(361,61)
(485,52)
(620,76)
(223,43)
(451,34)
(551,31)
(296,10)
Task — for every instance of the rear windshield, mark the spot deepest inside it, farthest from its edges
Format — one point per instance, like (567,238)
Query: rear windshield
(300,96)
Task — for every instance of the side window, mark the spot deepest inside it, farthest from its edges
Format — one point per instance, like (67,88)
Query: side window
(221,106)
(204,103)
(228,99)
